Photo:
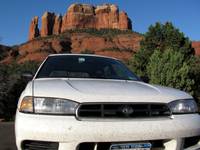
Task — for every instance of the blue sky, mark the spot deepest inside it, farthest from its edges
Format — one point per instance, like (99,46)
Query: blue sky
(15,15)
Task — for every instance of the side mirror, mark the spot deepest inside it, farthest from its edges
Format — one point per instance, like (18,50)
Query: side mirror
(28,76)
(144,79)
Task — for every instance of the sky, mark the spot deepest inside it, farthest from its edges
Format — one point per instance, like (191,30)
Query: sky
(15,15)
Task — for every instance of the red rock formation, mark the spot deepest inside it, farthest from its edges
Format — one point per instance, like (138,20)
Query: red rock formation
(82,16)
(196,46)
(121,46)
(87,16)
(38,49)
(102,16)
(114,17)
(124,21)
(34,30)
(78,16)
(48,20)
(57,25)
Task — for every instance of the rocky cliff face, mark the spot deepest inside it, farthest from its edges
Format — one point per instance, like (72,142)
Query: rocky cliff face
(121,46)
(57,25)
(79,16)
(48,20)
(34,30)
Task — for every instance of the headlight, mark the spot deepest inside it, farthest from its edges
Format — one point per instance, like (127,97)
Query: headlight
(43,105)
(183,106)
(26,105)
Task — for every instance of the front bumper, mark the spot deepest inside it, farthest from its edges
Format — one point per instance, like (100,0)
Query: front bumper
(70,132)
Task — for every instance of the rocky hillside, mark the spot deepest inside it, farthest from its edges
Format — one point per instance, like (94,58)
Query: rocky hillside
(115,43)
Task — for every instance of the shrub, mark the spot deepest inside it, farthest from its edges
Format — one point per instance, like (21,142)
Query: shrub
(166,57)
(169,68)
(160,37)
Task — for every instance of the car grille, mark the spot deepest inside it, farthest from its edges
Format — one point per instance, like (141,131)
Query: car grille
(113,110)
(39,145)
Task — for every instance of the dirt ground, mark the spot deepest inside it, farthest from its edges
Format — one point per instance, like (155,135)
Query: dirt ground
(7,138)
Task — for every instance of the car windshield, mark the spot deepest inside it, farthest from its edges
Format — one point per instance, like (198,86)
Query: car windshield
(83,66)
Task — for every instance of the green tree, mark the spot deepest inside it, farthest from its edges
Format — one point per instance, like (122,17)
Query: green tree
(170,68)
(160,37)
(12,85)
(16,83)
(3,89)
(195,73)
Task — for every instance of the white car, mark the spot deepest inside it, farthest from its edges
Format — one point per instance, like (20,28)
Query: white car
(90,102)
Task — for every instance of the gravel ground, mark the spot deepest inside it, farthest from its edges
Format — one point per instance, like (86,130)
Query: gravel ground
(7,138)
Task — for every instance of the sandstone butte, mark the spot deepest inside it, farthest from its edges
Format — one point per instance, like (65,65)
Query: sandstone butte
(80,16)
(52,37)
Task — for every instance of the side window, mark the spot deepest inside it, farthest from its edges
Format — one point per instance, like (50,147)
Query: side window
(107,72)
(118,71)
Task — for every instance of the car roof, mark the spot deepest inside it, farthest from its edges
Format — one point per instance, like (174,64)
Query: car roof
(91,55)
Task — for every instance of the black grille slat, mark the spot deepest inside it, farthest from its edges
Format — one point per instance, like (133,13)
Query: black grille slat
(39,145)
(90,110)
(102,110)
(124,110)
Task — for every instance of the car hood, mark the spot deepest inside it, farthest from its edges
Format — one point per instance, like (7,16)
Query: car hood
(99,90)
